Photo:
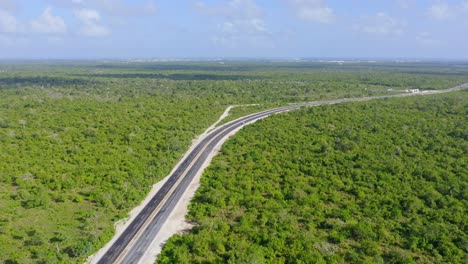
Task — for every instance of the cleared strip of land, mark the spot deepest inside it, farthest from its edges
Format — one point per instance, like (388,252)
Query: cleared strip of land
(141,232)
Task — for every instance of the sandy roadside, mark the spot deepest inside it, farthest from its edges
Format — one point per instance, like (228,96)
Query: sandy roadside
(176,222)
(177,218)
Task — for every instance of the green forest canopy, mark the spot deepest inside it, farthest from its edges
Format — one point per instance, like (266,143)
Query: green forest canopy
(370,182)
(82,142)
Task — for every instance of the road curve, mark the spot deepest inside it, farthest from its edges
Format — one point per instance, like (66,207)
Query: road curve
(132,244)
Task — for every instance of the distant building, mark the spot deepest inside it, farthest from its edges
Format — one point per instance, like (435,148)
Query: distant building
(412,91)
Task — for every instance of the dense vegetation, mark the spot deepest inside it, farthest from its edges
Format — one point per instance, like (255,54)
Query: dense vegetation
(371,182)
(81,143)
(74,165)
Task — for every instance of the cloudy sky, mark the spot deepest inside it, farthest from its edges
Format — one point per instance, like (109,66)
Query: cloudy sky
(233,28)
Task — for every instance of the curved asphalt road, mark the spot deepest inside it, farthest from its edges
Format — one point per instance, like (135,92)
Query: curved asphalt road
(136,239)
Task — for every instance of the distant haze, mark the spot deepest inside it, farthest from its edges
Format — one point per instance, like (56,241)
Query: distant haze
(88,29)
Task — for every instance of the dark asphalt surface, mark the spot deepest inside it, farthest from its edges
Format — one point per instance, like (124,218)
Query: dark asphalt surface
(204,148)
(142,244)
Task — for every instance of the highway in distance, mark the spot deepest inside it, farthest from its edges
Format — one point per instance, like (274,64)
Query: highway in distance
(133,243)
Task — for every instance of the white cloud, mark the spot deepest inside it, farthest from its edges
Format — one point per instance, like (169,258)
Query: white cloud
(241,22)
(444,11)
(111,7)
(313,10)
(95,30)
(48,23)
(120,8)
(380,24)
(8,23)
(249,26)
(441,11)
(237,9)
(91,23)
(88,15)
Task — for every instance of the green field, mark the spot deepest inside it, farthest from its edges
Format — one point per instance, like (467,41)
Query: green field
(81,143)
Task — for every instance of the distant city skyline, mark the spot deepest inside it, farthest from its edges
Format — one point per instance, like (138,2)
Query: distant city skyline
(97,29)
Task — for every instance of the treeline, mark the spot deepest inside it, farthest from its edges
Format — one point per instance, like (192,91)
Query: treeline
(370,182)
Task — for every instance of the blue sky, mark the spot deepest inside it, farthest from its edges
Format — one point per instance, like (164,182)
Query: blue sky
(90,29)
